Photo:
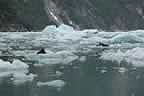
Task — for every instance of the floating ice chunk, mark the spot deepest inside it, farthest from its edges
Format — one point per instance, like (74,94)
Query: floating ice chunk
(50,52)
(5,65)
(65,28)
(112,55)
(103,71)
(127,38)
(17,64)
(66,32)
(5,74)
(8,69)
(50,61)
(92,31)
(136,53)
(67,56)
(122,70)
(20,78)
(82,58)
(64,53)
(17,70)
(107,34)
(60,57)
(15,36)
(58,73)
(62,33)
(50,28)
(133,56)
(49,33)
(59,84)
(94,40)
(69,59)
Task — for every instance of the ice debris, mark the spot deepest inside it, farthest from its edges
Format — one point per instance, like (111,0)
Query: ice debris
(127,38)
(17,71)
(60,57)
(21,78)
(16,65)
(132,56)
(58,84)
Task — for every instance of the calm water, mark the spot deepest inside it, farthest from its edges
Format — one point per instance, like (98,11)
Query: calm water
(90,78)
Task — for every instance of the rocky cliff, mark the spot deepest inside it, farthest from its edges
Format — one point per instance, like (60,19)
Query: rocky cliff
(110,15)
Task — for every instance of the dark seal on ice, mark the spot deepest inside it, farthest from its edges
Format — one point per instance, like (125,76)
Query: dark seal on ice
(41,51)
(102,44)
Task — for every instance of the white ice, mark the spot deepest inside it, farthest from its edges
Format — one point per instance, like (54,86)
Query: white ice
(17,71)
(133,56)
(58,84)
(60,57)
(63,42)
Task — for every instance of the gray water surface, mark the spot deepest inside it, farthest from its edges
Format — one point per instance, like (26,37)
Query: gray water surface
(93,77)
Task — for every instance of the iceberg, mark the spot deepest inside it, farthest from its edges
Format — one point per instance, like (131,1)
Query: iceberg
(127,38)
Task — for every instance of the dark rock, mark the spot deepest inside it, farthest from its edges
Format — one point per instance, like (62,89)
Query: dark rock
(111,15)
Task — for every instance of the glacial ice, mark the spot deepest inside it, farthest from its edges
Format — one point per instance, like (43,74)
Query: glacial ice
(63,44)
(58,84)
(21,78)
(17,71)
(60,57)
(127,38)
(16,65)
(132,56)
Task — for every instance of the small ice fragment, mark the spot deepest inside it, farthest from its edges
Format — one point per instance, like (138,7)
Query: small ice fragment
(49,28)
(122,70)
(38,65)
(103,71)
(58,73)
(55,83)
(82,58)
(20,78)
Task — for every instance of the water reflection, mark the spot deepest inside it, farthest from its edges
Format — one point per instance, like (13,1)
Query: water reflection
(93,77)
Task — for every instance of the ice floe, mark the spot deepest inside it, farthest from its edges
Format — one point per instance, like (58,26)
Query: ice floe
(127,38)
(60,57)
(17,71)
(16,65)
(133,56)
(66,37)
(63,41)
(58,84)
(21,78)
